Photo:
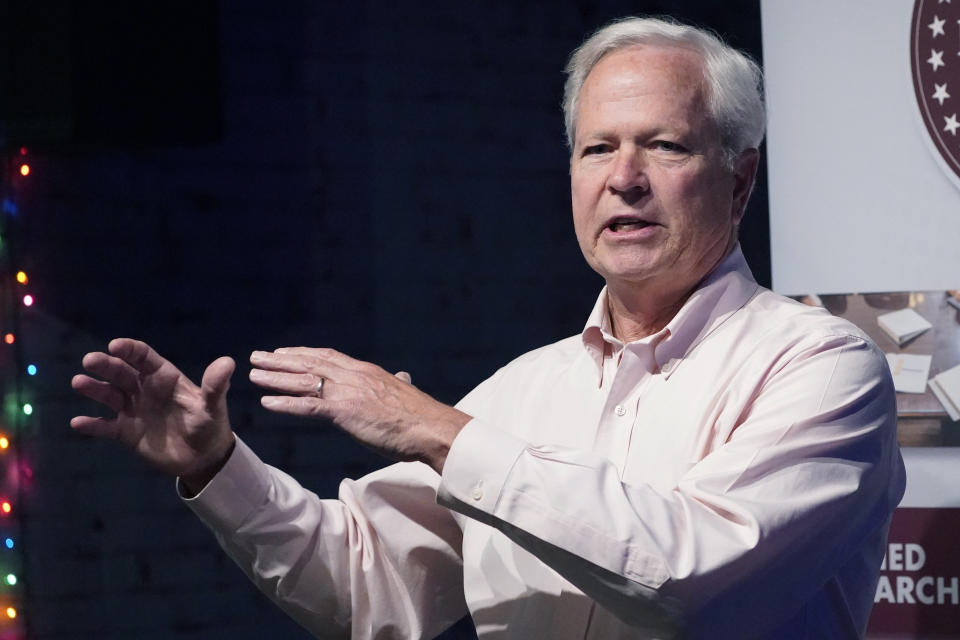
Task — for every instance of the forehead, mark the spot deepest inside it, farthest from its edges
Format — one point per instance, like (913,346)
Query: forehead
(652,76)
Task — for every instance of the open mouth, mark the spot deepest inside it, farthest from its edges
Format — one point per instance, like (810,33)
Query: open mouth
(627,224)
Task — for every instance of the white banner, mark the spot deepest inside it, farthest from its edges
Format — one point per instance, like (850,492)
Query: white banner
(933,477)
(863,144)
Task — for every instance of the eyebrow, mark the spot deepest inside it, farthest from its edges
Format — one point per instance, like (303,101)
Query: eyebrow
(604,134)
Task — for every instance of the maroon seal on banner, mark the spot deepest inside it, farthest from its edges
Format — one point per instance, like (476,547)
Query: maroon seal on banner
(935,64)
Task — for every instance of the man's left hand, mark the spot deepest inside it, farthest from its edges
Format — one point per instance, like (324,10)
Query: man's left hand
(383,411)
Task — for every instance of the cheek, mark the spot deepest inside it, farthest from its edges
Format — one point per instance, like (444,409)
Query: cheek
(581,230)
(700,202)
(582,204)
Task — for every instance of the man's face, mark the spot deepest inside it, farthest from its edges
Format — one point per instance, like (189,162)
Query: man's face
(653,202)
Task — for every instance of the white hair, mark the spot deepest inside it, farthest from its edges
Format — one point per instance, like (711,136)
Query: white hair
(734,80)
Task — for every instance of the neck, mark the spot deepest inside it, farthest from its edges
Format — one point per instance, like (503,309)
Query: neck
(633,317)
(637,310)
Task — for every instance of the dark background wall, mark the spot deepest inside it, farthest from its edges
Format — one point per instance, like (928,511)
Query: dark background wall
(388,179)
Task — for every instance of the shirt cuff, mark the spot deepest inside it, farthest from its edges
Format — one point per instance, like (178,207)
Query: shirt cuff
(478,465)
(238,490)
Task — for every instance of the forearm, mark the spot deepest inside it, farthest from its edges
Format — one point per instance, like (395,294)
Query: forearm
(325,562)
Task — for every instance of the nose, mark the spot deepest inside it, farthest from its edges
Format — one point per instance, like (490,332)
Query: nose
(628,172)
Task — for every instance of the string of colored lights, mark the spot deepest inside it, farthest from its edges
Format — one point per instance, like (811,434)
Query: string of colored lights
(15,283)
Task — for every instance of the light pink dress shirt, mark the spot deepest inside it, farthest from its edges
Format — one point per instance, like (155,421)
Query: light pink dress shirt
(731,476)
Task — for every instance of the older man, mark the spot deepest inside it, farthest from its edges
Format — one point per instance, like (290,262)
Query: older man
(706,459)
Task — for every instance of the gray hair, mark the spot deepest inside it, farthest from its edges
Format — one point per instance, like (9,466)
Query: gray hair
(734,80)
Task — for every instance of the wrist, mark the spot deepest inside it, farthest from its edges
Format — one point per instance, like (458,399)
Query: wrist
(443,438)
(194,481)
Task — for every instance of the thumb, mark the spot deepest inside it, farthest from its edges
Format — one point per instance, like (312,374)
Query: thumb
(216,381)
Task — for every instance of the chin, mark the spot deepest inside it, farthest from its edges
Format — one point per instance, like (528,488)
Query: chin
(630,271)
(631,277)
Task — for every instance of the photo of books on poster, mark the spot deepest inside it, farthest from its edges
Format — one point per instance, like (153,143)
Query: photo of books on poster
(920,333)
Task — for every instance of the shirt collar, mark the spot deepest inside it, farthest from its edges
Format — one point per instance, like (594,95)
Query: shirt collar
(718,296)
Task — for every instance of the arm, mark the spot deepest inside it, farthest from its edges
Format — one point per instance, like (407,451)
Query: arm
(755,526)
(325,562)
(171,423)
(741,530)
(382,561)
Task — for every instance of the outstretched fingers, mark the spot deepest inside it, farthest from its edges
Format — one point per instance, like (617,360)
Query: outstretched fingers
(216,382)
(298,406)
(296,384)
(320,353)
(99,391)
(297,373)
(304,360)
(97,427)
(137,354)
(112,370)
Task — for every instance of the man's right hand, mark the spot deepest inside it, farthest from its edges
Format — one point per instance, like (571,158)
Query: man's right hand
(180,428)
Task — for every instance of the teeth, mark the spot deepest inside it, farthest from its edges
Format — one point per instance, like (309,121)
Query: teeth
(628,226)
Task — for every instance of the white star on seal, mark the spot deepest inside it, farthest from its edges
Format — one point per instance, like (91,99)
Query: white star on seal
(936,59)
(951,124)
(941,93)
(937,27)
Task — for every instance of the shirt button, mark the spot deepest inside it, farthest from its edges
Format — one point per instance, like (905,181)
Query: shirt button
(620,410)
(477,493)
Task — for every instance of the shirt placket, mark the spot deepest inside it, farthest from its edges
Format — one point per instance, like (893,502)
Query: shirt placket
(619,413)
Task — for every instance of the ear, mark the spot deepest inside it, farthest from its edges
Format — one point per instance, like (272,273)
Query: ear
(744,174)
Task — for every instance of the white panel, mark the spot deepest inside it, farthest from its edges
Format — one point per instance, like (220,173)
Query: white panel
(858,202)
(933,477)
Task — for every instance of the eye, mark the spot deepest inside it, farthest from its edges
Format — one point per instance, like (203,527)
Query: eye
(668,146)
(596,149)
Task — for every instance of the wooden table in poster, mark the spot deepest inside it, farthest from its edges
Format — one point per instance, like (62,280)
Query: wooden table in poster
(922,421)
